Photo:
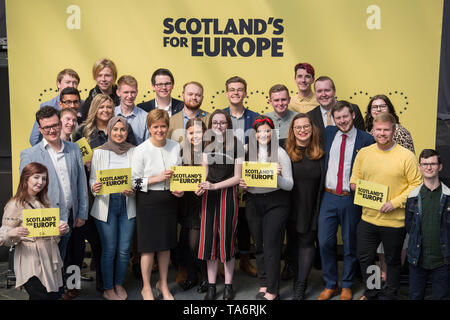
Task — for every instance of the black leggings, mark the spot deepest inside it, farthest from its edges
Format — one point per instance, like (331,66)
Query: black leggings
(189,239)
(305,255)
(37,291)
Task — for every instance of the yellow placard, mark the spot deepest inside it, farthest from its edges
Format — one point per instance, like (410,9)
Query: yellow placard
(114,180)
(85,149)
(370,194)
(41,222)
(186,178)
(260,174)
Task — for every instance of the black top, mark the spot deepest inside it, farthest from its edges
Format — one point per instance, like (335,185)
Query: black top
(99,137)
(306,194)
(221,164)
(177,105)
(84,110)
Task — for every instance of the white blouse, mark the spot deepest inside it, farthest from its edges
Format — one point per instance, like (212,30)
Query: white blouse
(149,161)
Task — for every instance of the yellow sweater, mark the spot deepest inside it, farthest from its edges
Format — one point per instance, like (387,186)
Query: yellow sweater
(396,168)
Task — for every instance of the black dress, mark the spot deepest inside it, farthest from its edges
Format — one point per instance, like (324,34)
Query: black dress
(306,194)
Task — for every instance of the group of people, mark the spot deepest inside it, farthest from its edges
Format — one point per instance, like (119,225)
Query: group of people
(322,148)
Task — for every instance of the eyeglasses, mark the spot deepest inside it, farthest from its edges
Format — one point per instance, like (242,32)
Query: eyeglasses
(379,107)
(432,164)
(47,129)
(216,124)
(69,102)
(306,127)
(233,90)
(165,84)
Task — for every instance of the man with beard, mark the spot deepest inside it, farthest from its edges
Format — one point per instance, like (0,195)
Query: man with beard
(342,142)
(389,164)
(192,98)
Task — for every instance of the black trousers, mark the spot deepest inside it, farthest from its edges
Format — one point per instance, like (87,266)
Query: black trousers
(267,215)
(368,239)
(37,291)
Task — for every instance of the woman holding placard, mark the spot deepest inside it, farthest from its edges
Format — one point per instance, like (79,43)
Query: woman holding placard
(114,213)
(303,147)
(191,207)
(223,161)
(37,262)
(268,208)
(156,205)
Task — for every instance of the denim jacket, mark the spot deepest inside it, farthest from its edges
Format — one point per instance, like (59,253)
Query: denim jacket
(413,219)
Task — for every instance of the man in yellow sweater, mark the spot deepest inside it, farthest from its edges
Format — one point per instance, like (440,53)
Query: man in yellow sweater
(389,164)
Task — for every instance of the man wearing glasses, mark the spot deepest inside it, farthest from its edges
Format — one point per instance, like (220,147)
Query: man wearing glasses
(394,166)
(67,188)
(162,83)
(65,78)
(427,214)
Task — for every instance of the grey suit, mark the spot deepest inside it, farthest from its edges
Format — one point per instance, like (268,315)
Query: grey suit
(78,184)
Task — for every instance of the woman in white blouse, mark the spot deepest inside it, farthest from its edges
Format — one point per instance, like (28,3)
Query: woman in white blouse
(114,213)
(267,209)
(156,205)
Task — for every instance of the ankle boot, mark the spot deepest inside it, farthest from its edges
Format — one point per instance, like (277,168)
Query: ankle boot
(299,290)
(211,292)
(228,292)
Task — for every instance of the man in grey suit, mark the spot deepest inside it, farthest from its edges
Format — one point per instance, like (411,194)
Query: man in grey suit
(67,180)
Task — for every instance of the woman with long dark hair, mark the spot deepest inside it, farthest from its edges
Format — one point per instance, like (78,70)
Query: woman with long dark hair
(37,262)
(306,154)
(267,209)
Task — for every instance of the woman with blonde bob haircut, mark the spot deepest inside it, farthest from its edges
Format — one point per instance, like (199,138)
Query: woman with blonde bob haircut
(307,156)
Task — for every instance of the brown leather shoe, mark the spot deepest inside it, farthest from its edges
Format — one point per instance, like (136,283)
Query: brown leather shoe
(346,294)
(246,266)
(327,294)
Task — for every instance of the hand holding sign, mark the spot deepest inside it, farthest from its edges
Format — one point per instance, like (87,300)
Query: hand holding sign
(243,185)
(18,232)
(63,228)
(387,207)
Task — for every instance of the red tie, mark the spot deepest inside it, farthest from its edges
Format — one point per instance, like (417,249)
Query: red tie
(341,165)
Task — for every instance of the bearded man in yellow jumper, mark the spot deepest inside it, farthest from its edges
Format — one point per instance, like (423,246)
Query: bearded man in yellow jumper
(387,163)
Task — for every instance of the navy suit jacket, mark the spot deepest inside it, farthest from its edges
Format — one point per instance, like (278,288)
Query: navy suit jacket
(363,139)
(78,184)
(249,118)
(177,105)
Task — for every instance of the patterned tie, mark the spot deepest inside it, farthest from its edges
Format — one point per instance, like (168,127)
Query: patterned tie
(329,121)
(341,165)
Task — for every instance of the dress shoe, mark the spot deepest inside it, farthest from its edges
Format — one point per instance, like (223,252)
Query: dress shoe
(346,294)
(246,266)
(73,293)
(203,287)
(228,292)
(211,293)
(327,294)
(288,272)
(182,275)
(187,285)
(299,290)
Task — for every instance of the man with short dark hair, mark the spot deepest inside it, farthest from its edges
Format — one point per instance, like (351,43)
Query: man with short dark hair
(305,100)
(163,83)
(342,143)
(66,78)
(427,213)
(326,97)
(391,165)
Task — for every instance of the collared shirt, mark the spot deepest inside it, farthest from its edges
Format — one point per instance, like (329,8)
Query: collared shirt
(239,126)
(324,116)
(168,108)
(431,253)
(186,119)
(303,105)
(137,119)
(59,162)
(333,162)
(283,123)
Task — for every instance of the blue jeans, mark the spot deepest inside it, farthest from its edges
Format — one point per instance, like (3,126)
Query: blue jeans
(115,236)
(440,280)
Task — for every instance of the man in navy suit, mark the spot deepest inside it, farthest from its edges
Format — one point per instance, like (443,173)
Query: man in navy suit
(242,118)
(67,188)
(325,95)
(162,83)
(342,143)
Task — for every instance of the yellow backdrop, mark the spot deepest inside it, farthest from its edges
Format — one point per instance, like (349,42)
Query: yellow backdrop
(367,47)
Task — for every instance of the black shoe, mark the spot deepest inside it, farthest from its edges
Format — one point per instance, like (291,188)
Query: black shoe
(211,292)
(203,287)
(259,294)
(228,292)
(288,272)
(299,291)
(188,284)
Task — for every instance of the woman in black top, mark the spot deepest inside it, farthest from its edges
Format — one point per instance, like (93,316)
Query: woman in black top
(303,147)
